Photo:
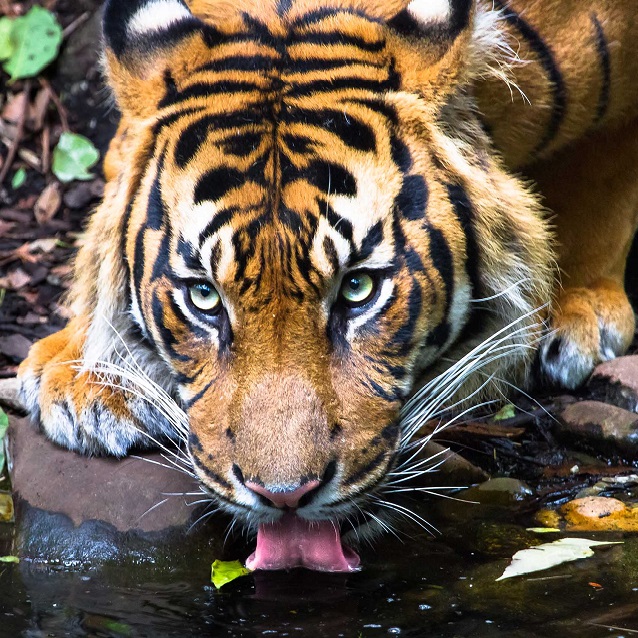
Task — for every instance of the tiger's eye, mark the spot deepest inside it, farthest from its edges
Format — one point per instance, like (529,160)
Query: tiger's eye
(358,288)
(204,297)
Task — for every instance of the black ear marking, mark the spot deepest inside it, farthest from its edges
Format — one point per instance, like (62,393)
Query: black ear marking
(436,19)
(146,24)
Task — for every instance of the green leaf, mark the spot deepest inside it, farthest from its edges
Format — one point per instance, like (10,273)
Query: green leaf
(36,39)
(9,559)
(548,555)
(19,178)
(6,42)
(223,572)
(543,530)
(73,156)
(506,412)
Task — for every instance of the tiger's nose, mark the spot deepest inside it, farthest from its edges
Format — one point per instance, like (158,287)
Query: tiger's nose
(284,498)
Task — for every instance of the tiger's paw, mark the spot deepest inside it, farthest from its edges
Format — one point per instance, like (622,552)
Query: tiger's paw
(588,326)
(75,408)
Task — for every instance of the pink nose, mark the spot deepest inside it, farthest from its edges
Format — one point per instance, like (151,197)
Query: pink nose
(289,498)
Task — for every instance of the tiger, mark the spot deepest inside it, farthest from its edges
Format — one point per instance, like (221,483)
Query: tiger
(328,221)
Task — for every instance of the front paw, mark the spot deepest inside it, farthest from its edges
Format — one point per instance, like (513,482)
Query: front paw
(78,409)
(588,326)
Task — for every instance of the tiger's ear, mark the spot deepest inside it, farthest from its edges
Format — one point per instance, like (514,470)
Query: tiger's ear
(147,41)
(433,37)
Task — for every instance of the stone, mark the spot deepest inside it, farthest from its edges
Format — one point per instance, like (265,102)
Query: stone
(598,513)
(75,508)
(616,381)
(601,422)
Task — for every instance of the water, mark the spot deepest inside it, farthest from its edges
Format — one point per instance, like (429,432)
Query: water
(417,586)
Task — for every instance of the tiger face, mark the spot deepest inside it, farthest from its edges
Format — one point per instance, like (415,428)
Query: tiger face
(302,236)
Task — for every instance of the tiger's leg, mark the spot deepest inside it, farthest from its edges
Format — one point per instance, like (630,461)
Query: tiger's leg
(81,410)
(593,189)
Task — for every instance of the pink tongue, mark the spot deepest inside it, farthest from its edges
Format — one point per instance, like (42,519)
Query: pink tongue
(295,542)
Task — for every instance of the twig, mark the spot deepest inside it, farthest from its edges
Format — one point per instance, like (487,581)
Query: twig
(46,151)
(78,22)
(56,101)
(13,149)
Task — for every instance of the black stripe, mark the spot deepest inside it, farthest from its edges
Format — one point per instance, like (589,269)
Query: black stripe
(367,469)
(350,129)
(216,183)
(155,208)
(412,200)
(302,89)
(548,62)
(220,219)
(257,63)
(464,213)
(213,476)
(331,38)
(441,256)
(313,17)
(605,68)
(167,337)
(206,89)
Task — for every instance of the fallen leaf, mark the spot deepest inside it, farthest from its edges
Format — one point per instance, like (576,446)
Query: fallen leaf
(19,178)
(508,411)
(73,156)
(543,530)
(17,279)
(549,555)
(48,203)
(36,38)
(44,245)
(223,572)
(9,559)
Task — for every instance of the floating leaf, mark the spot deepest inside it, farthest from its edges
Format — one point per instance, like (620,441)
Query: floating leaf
(223,572)
(73,156)
(19,178)
(543,530)
(9,559)
(35,38)
(6,43)
(549,555)
(506,412)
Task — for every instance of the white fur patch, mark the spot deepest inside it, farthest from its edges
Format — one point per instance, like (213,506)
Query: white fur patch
(158,15)
(430,11)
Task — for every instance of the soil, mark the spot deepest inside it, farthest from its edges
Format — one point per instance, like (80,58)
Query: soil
(35,251)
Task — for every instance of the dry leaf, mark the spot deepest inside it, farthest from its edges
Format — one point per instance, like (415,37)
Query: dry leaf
(44,245)
(48,203)
(17,279)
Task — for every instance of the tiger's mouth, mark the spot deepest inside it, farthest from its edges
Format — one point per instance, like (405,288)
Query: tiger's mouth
(292,541)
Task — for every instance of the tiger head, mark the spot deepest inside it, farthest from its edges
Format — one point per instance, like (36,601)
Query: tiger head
(311,213)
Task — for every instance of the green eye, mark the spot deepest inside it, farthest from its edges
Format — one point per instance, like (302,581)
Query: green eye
(358,288)
(204,297)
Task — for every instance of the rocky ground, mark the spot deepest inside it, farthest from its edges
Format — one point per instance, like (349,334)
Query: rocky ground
(568,446)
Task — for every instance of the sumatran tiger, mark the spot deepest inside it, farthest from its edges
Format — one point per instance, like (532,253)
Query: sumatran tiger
(325,221)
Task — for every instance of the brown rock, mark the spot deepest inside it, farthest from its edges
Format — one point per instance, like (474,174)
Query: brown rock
(596,421)
(616,381)
(597,513)
(126,493)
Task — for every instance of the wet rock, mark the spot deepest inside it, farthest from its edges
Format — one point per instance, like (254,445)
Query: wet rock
(72,508)
(596,421)
(616,381)
(499,491)
(593,514)
(598,513)
(9,394)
